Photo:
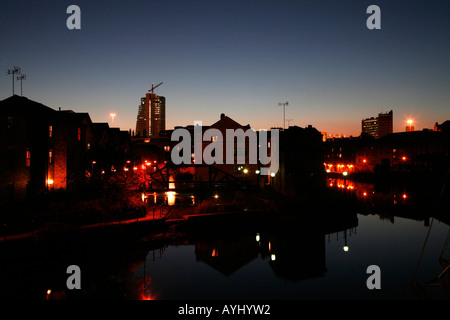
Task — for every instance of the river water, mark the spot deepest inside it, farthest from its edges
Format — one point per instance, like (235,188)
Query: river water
(308,266)
(298,260)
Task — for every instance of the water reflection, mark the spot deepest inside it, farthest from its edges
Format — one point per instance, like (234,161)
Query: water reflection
(226,255)
(251,262)
(292,254)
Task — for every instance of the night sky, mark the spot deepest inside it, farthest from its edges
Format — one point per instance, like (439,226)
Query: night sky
(240,58)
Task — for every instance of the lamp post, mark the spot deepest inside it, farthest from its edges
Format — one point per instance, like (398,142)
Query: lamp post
(284,104)
(113,115)
(410,124)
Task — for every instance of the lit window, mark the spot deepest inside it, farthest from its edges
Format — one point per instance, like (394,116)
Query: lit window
(50,157)
(166,148)
(79,134)
(50,131)
(28,158)
(10,122)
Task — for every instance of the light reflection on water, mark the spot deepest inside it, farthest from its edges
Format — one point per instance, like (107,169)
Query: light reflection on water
(308,266)
(318,259)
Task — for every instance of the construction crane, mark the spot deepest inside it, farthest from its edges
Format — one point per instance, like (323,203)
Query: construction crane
(154,87)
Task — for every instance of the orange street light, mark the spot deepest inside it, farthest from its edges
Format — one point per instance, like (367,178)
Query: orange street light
(410,124)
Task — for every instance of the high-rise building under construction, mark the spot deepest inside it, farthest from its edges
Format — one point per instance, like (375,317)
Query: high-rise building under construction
(151,119)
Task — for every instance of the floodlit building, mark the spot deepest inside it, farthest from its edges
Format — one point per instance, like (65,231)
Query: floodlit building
(151,119)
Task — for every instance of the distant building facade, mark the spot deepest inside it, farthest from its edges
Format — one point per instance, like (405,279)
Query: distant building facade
(378,127)
(414,151)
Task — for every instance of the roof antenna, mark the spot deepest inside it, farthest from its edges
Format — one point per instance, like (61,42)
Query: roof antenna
(21,77)
(15,70)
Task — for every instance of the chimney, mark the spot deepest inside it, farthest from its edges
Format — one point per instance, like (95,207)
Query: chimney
(222,116)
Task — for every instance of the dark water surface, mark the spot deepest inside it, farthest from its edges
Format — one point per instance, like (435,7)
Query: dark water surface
(296,266)
(318,259)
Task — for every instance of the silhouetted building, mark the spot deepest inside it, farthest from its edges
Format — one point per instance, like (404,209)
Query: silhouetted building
(243,170)
(340,153)
(301,156)
(424,151)
(385,124)
(378,127)
(151,119)
(443,127)
(45,149)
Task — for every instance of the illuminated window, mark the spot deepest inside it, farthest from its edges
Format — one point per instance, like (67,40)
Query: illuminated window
(50,131)
(28,158)
(79,134)
(10,122)
(166,148)
(50,157)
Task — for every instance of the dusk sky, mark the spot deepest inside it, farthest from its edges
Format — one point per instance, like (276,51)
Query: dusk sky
(241,58)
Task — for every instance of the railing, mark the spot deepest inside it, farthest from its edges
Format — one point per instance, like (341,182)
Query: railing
(161,211)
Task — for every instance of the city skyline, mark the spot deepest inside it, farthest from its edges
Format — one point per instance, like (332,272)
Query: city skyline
(241,59)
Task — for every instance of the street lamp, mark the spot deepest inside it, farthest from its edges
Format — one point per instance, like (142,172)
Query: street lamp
(112,116)
(284,104)
(410,124)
